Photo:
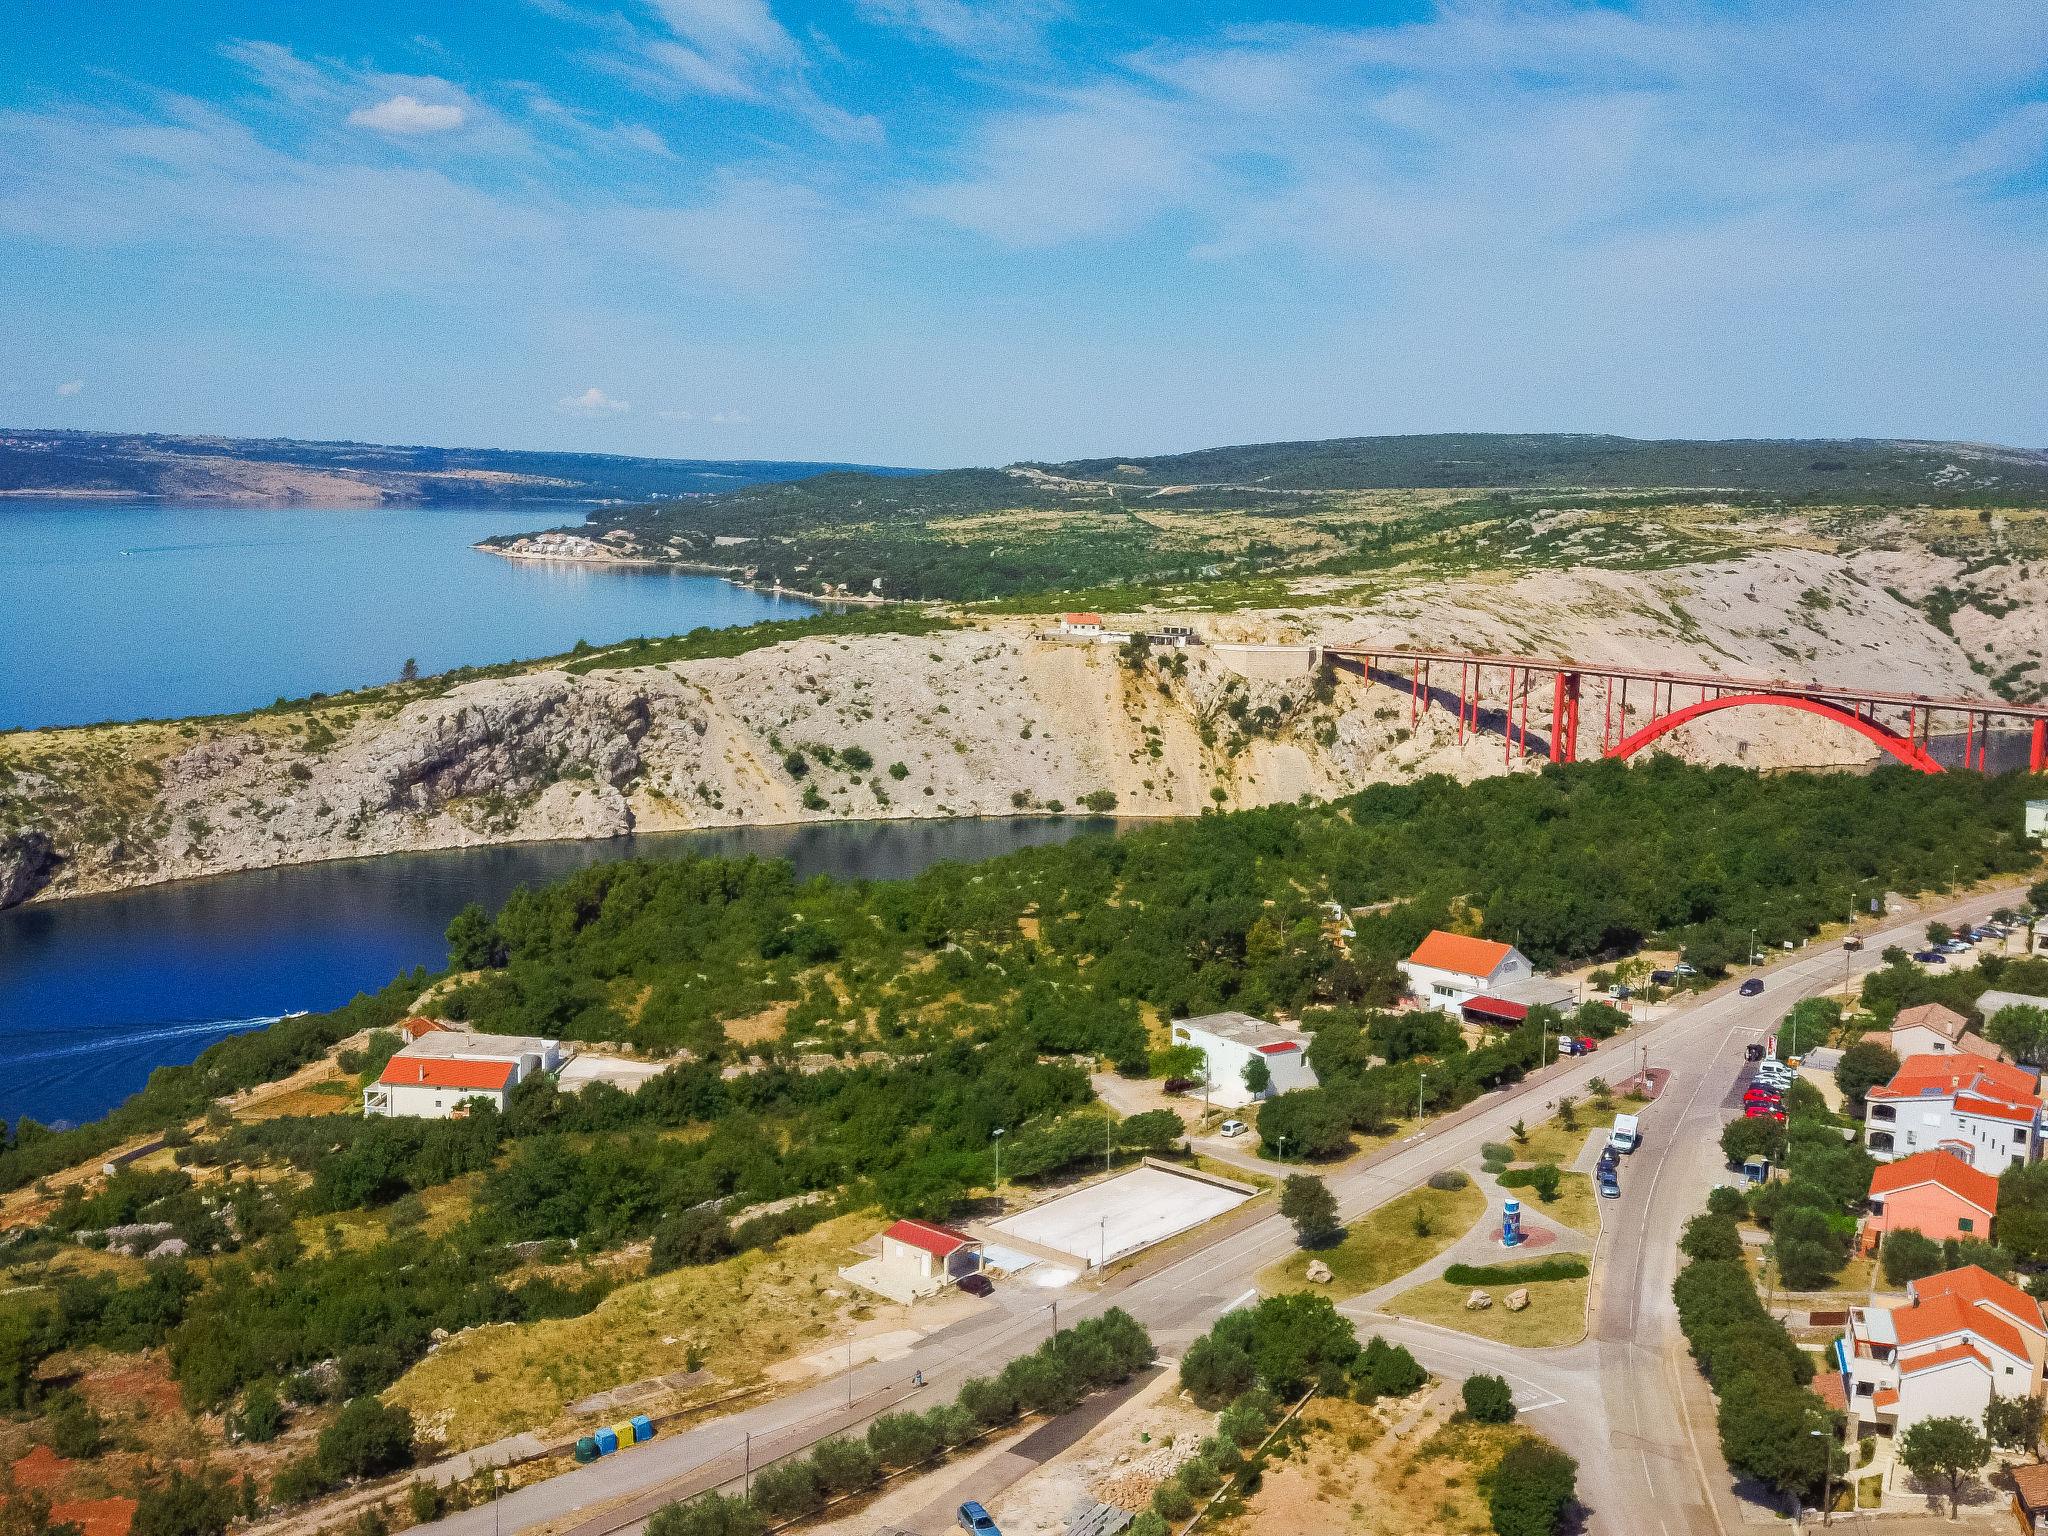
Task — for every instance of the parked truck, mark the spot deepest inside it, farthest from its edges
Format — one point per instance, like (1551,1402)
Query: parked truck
(1626,1135)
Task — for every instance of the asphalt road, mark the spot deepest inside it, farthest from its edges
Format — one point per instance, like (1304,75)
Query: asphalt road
(1614,1400)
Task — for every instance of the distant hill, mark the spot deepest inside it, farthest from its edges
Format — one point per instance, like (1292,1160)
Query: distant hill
(1289,510)
(270,470)
(1851,468)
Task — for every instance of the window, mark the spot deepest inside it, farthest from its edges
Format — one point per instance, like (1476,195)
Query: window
(1966,1224)
(2019,1138)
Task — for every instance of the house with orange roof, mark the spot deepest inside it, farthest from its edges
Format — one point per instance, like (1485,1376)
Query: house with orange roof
(916,1259)
(1935,1193)
(1961,1338)
(1932,1030)
(1986,1112)
(441,1073)
(1449,970)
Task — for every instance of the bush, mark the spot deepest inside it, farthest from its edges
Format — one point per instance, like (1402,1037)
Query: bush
(1909,1255)
(904,1439)
(709,1514)
(1488,1400)
(1531,1491)
(991,1401)
(1725,1201)
(787,1489)
(298,1480)
(1170,1501)
(1523,1272)
(1448,1179)
(200,1504)
(368,1439)
(1495,1152)
(1708,1236)
(843,1465)
(697,1236)
(76,1431)
(261,1416)
(1386,1370)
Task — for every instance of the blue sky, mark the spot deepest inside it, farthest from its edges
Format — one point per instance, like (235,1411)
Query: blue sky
(943,231)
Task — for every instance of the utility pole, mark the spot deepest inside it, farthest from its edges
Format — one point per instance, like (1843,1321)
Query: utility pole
(849,1373)
(997,1139)
(1101,1242)
(1108,1121)
(1421,1077)
(1827,1495)
(1055,1319)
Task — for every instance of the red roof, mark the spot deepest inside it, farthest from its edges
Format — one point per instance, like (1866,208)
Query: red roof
(1279,1048)
(1936,1359)
(1934,1075)
(930,1236)
(1497,1008)
(1945,1022)
(1827,1386)
(1083,618)
(1885,1397)
(1456,952)
(2022,1113)
(1943,1168)
(1946,1316)
(1975,1283)
(419,1024)
(443,1072)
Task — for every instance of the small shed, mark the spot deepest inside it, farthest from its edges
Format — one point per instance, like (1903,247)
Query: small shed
(2030,1497)
(918,1258)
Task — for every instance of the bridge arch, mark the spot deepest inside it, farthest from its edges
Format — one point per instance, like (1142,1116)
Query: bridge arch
(1906,751)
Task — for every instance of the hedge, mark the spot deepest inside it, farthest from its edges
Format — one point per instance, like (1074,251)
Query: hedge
(1526,1272)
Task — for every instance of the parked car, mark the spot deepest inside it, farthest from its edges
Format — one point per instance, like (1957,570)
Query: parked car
(1610,1182)
(1620,993)
(1754,1051)
(1930,957)
(976,1285)
(1774,1071)
(1753,986)
(1609,1157)
(1683,969)
(975,1521)
(1662,978)
(1852,942)
(1763,1112)
(1756,1092)
(1956,947)
(1232,1128)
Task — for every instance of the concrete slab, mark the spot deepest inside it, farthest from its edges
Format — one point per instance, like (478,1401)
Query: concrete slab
(1121,1216)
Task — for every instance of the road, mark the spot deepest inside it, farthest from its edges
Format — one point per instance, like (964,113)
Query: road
(1614,1400)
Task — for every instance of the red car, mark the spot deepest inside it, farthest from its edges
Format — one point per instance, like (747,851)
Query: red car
(1760,1095)
(1763,1112)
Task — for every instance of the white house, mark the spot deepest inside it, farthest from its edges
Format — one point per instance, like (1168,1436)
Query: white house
(1986,1112)
(1230,1042)
(1087,625)
(2037,818)
(1963,1337)
(438,1074)
(917,1259)
(1448,970)
(1932,1030)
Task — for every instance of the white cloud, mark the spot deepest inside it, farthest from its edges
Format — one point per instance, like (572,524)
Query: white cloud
(677,415)
(69,388)
(592,402)
(731,419)
(408,115)
(1004,30)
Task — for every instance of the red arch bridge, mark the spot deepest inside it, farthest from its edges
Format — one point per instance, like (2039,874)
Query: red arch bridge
(1494,692)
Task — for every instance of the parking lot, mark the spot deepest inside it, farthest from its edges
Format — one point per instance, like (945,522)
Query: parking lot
(1123,1215)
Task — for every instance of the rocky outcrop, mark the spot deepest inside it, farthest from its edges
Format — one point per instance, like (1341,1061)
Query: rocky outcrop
(990,720)
(27,859)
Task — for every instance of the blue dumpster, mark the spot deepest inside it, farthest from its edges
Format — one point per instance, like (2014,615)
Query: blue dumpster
(643,1428)
(607,1440)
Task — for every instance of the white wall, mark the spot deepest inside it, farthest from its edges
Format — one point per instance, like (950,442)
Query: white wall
(423,1101)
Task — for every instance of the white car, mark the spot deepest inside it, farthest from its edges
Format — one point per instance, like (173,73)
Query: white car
(1232,1128)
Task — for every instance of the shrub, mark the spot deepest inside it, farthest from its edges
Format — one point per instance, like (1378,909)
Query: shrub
(903,1439)
(992,1402)
(1547,1179)
(296,1481)
(1170,1501)
(76,1432)
(1725,1201)
(709,1514)
(696,1236)
(200,1504)
(1448,1179)
(1495,1152)
(1708,1236)
(786,1490)
(261,1417)
(1488,1400)
(1909,1255)
(1531,1490)
(367,1440)
(1386,1370)
(1523,1272)
(843,1465)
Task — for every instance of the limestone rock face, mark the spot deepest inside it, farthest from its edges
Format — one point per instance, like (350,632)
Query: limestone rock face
(1478,1301)
(26,862)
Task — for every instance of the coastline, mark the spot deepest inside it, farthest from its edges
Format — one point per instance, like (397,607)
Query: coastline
(725,573)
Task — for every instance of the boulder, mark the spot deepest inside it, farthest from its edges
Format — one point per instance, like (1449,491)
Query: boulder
(1318,1272)
(1516,1299)
(1478,1301)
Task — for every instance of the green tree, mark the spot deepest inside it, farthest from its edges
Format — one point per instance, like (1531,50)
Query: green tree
(1708,1236)
(1944,1451)
(709,1514)
(367,1439)
(198,1504)
(473,941)
(1746,1138)
(1532,1490)
(1862,1067)
(1308,1122)
(1306,1201)
(26,1512)
(76,1431)
(2013,1423)
(2023,1030)
(1258,1077)
(700,1235)
(260,1418)
(1488,1400)
(1908,1255)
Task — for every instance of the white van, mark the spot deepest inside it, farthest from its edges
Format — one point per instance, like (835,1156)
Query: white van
(1626,1135)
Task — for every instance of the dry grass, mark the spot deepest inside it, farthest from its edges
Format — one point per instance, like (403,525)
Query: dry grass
(1577,1204)
(1550,1142)
(1384,1245)
(745,1314)
(1556,1313)
(447,1205)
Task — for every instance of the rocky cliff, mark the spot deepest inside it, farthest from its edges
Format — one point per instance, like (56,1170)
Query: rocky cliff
(989,719)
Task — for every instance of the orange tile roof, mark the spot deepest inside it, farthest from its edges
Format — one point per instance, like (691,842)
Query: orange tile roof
(1945,1022)
(445,1072)
(1827,1386)
(1456,952)
(1943,1168)
(2030,1482)
(419,1024)
(1885,1397)
(930,1236)
(1082,618)
(2020,1113)
(1937,1076)
(1946,1314)
(1936,1359)
(1977,1284)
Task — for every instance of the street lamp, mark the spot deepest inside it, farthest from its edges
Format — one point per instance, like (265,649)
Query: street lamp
(1281,1142)
(1421,1077)
(997,1139)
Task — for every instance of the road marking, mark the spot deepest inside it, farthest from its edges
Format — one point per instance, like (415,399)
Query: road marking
(1251,1293)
